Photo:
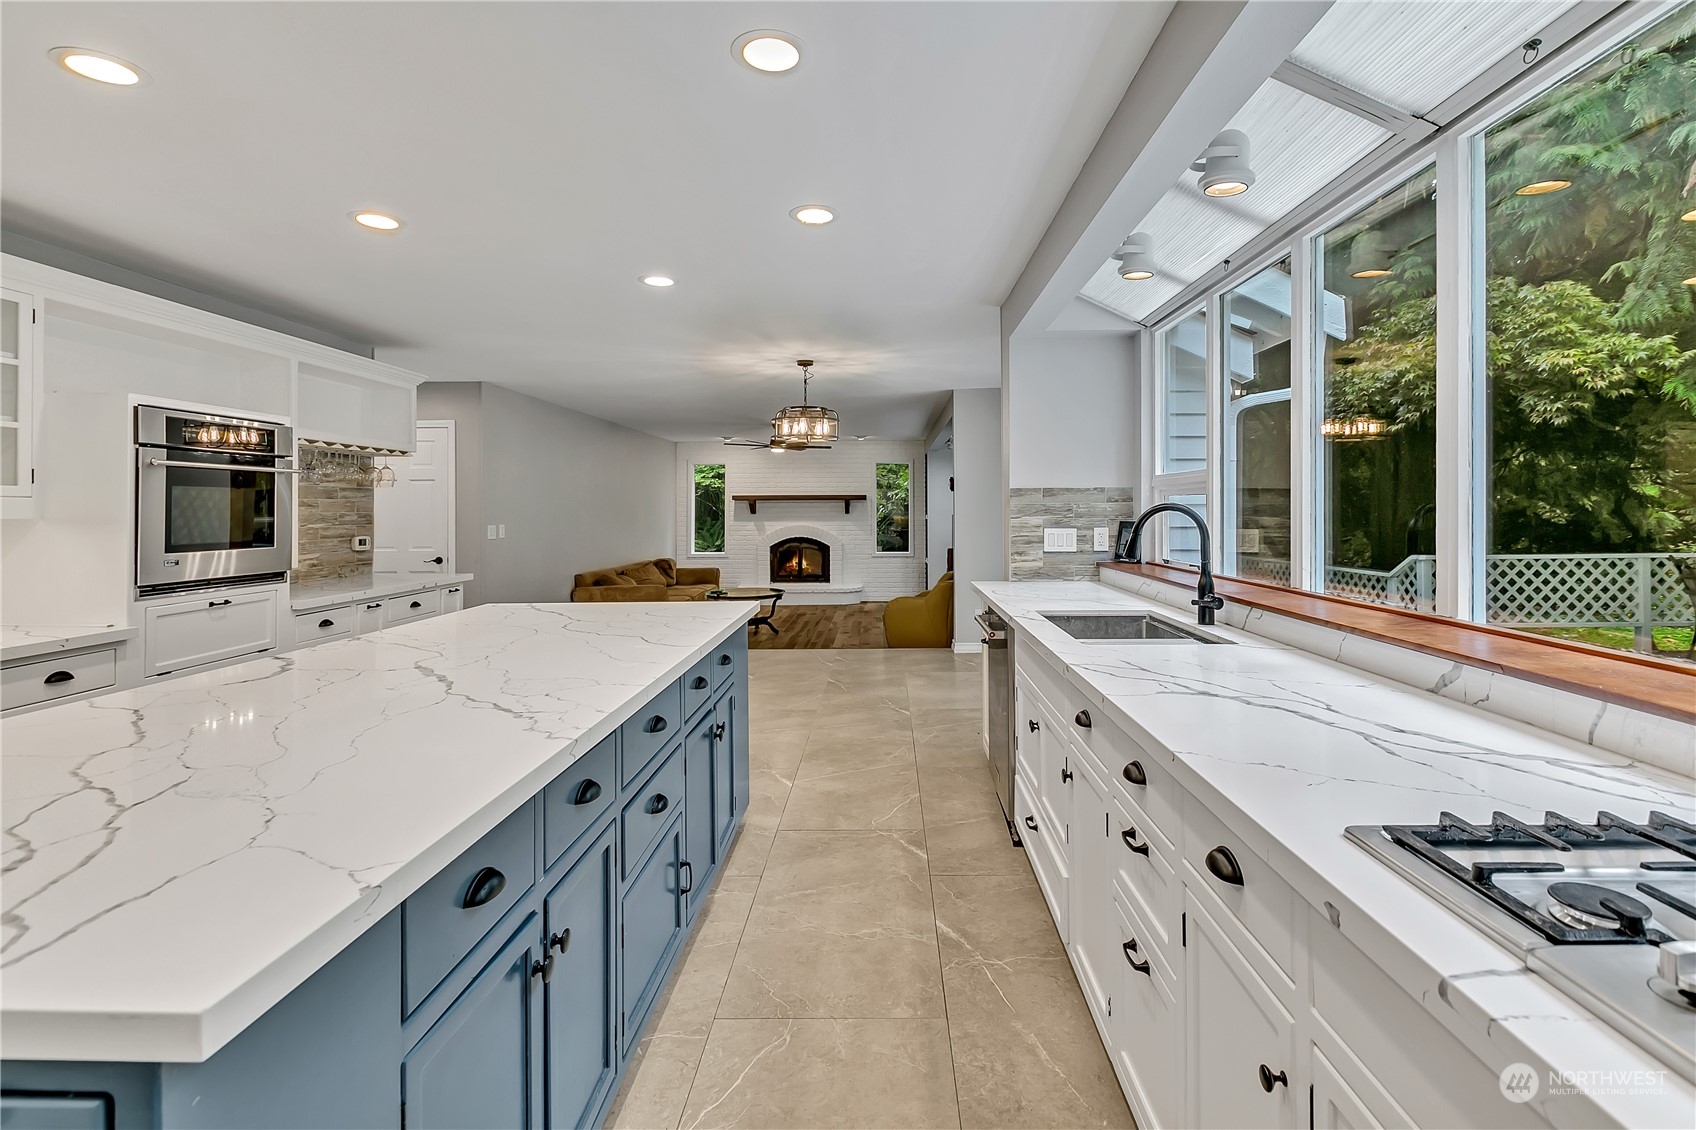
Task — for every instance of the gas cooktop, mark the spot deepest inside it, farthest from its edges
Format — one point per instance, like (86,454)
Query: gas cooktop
(1605,910)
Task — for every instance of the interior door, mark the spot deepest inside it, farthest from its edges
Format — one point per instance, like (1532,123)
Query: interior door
(414,517)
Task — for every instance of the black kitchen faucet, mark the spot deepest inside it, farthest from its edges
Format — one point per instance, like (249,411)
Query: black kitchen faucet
(1207,602)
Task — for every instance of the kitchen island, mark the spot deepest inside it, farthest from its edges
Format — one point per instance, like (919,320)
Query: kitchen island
(309,889)
(1184,806)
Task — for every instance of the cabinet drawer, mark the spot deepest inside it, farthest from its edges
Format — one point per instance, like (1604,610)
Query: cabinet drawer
(327,624)
(649,730)
(451,913)
(1140,775)
(1260,901)
(1144,871)
(1147,1028)
(370,616)
(417,606)
(698,686)
(727,659)
(647,813)
(25,684)
(453,599)
(190,633)
(1047,680)
(576,798)
(1050,867)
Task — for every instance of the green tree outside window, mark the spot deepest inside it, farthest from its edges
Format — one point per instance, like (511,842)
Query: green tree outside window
(893,532)
(709,508)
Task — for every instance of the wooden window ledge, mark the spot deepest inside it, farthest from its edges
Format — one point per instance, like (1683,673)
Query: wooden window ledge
(1641,682)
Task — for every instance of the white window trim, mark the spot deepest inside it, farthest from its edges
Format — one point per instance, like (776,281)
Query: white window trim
(1158,484)
(689,531)
(911,540)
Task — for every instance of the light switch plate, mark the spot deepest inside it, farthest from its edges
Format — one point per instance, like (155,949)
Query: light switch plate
(503,529)
(1101,538)
(362,544)
(494,532)
(1248,541)
(1060,541)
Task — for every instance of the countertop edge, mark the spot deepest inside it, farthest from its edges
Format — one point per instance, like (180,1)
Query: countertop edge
(89,637)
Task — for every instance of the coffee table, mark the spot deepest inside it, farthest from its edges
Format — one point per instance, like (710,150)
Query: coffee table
(756,594)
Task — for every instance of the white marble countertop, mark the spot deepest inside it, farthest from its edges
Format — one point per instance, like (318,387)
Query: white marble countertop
(21,642)
(1293,747)
(313,595)
(178,858)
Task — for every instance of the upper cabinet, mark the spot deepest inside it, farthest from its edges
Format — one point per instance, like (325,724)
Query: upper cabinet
(373,407)
(18,400)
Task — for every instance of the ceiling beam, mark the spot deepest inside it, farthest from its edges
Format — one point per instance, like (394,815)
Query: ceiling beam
(1361,105)
(1207,61)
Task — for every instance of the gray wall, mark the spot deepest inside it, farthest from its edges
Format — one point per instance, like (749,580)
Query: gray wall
(980,520)
(575,492)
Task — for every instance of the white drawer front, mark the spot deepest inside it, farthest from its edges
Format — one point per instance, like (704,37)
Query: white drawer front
(25,684)
(417,606)
(1140,774)
(1259,900)
(370,616)
(453,599)
(1144,869)
(325,624)
(1052,875)
(1147,1028)
(190,633)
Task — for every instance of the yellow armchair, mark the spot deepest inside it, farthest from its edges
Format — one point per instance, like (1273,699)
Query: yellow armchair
(926,620)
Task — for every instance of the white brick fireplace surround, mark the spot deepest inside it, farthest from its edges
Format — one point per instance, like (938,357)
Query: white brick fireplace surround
(856,573)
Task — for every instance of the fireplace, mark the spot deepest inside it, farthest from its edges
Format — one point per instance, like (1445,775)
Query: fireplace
(800,560)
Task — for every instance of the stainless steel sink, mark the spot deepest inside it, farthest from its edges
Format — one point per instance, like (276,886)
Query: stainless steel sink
(1124,627)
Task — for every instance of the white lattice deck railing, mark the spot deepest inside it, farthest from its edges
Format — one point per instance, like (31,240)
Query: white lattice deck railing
(1529,590)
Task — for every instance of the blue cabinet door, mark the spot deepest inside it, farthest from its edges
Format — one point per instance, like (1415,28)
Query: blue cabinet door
(480,1065)
(700,839)
(653,918)
(582,994)
(726,803)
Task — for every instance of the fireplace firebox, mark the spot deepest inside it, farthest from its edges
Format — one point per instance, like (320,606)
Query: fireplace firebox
(800,560)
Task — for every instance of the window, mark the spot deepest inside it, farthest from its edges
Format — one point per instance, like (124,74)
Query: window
(707,524)
(894,533)
(1256,497)
(1180,541)
(1183,395)
(1378,309)
(1590,276)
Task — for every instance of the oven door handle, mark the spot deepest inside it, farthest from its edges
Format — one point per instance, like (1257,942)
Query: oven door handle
(222,466)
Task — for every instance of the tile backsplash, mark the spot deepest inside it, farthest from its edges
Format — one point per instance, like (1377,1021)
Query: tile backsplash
(331,515)
(1032,509)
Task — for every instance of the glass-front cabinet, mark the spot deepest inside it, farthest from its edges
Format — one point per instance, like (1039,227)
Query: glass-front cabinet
(17,402)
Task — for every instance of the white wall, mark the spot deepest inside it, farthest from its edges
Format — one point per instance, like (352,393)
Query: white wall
(980,515)
(575,492)
(939,506)
(849,467)
(1072,410)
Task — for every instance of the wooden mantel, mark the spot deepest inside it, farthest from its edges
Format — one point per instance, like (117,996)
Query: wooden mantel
(754,500)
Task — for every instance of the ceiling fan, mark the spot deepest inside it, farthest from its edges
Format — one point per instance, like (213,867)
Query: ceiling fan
(798,427)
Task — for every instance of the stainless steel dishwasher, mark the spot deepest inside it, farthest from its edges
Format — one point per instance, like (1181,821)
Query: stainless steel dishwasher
(998,707)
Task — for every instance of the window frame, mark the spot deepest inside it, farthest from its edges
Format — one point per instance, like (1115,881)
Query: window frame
(1456,149)
(689,533)
(912,542)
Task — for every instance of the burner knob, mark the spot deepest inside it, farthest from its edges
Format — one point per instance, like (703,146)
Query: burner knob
(1678,965)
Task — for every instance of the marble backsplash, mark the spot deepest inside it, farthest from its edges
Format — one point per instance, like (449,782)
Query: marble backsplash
(333,513)
(1030,510)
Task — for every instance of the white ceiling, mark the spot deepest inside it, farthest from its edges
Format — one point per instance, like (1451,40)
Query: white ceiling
(543,155)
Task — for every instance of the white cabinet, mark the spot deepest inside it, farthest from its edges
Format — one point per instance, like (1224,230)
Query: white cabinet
(1239,1041)
(57,676)
(191,633)
(412,606)
(354,408)
(1044,758)
(370,614)
(361,617)
(1147,1027)
(1095,935)
(324,625)
(453,599)
(19,386)
(1335,1105)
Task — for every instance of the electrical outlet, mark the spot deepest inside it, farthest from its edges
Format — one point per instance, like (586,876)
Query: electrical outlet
(1101,539)
(362,544)
(503,529)
(1060,541)
(493,534)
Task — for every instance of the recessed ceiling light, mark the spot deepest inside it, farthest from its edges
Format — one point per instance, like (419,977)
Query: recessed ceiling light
(97,66)
(1541,187)
(812,215)
(772,52)
(659,280)
(376,221)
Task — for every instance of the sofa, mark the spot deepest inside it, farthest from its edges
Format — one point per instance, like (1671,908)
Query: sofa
(926,620)
(658,579)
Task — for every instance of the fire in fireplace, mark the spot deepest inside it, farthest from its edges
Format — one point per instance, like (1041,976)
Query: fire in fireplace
(800,559)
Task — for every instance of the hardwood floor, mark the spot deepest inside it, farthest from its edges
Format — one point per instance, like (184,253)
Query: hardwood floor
(823,626)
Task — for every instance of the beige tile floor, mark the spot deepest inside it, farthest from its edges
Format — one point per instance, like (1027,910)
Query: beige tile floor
(876,952)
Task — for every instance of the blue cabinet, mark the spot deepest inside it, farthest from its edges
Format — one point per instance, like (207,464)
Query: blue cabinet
(653,920)
(730,780)
(480,1065)
(582,990)
(700,827)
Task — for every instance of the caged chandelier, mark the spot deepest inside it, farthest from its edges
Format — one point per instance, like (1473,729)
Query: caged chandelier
(801,426)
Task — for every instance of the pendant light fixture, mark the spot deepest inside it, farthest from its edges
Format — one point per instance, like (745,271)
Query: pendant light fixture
(1368,258)
(1223,165)
(799,427)
(1136,257)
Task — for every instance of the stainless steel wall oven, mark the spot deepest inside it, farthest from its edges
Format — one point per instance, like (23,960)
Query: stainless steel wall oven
(214,500)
